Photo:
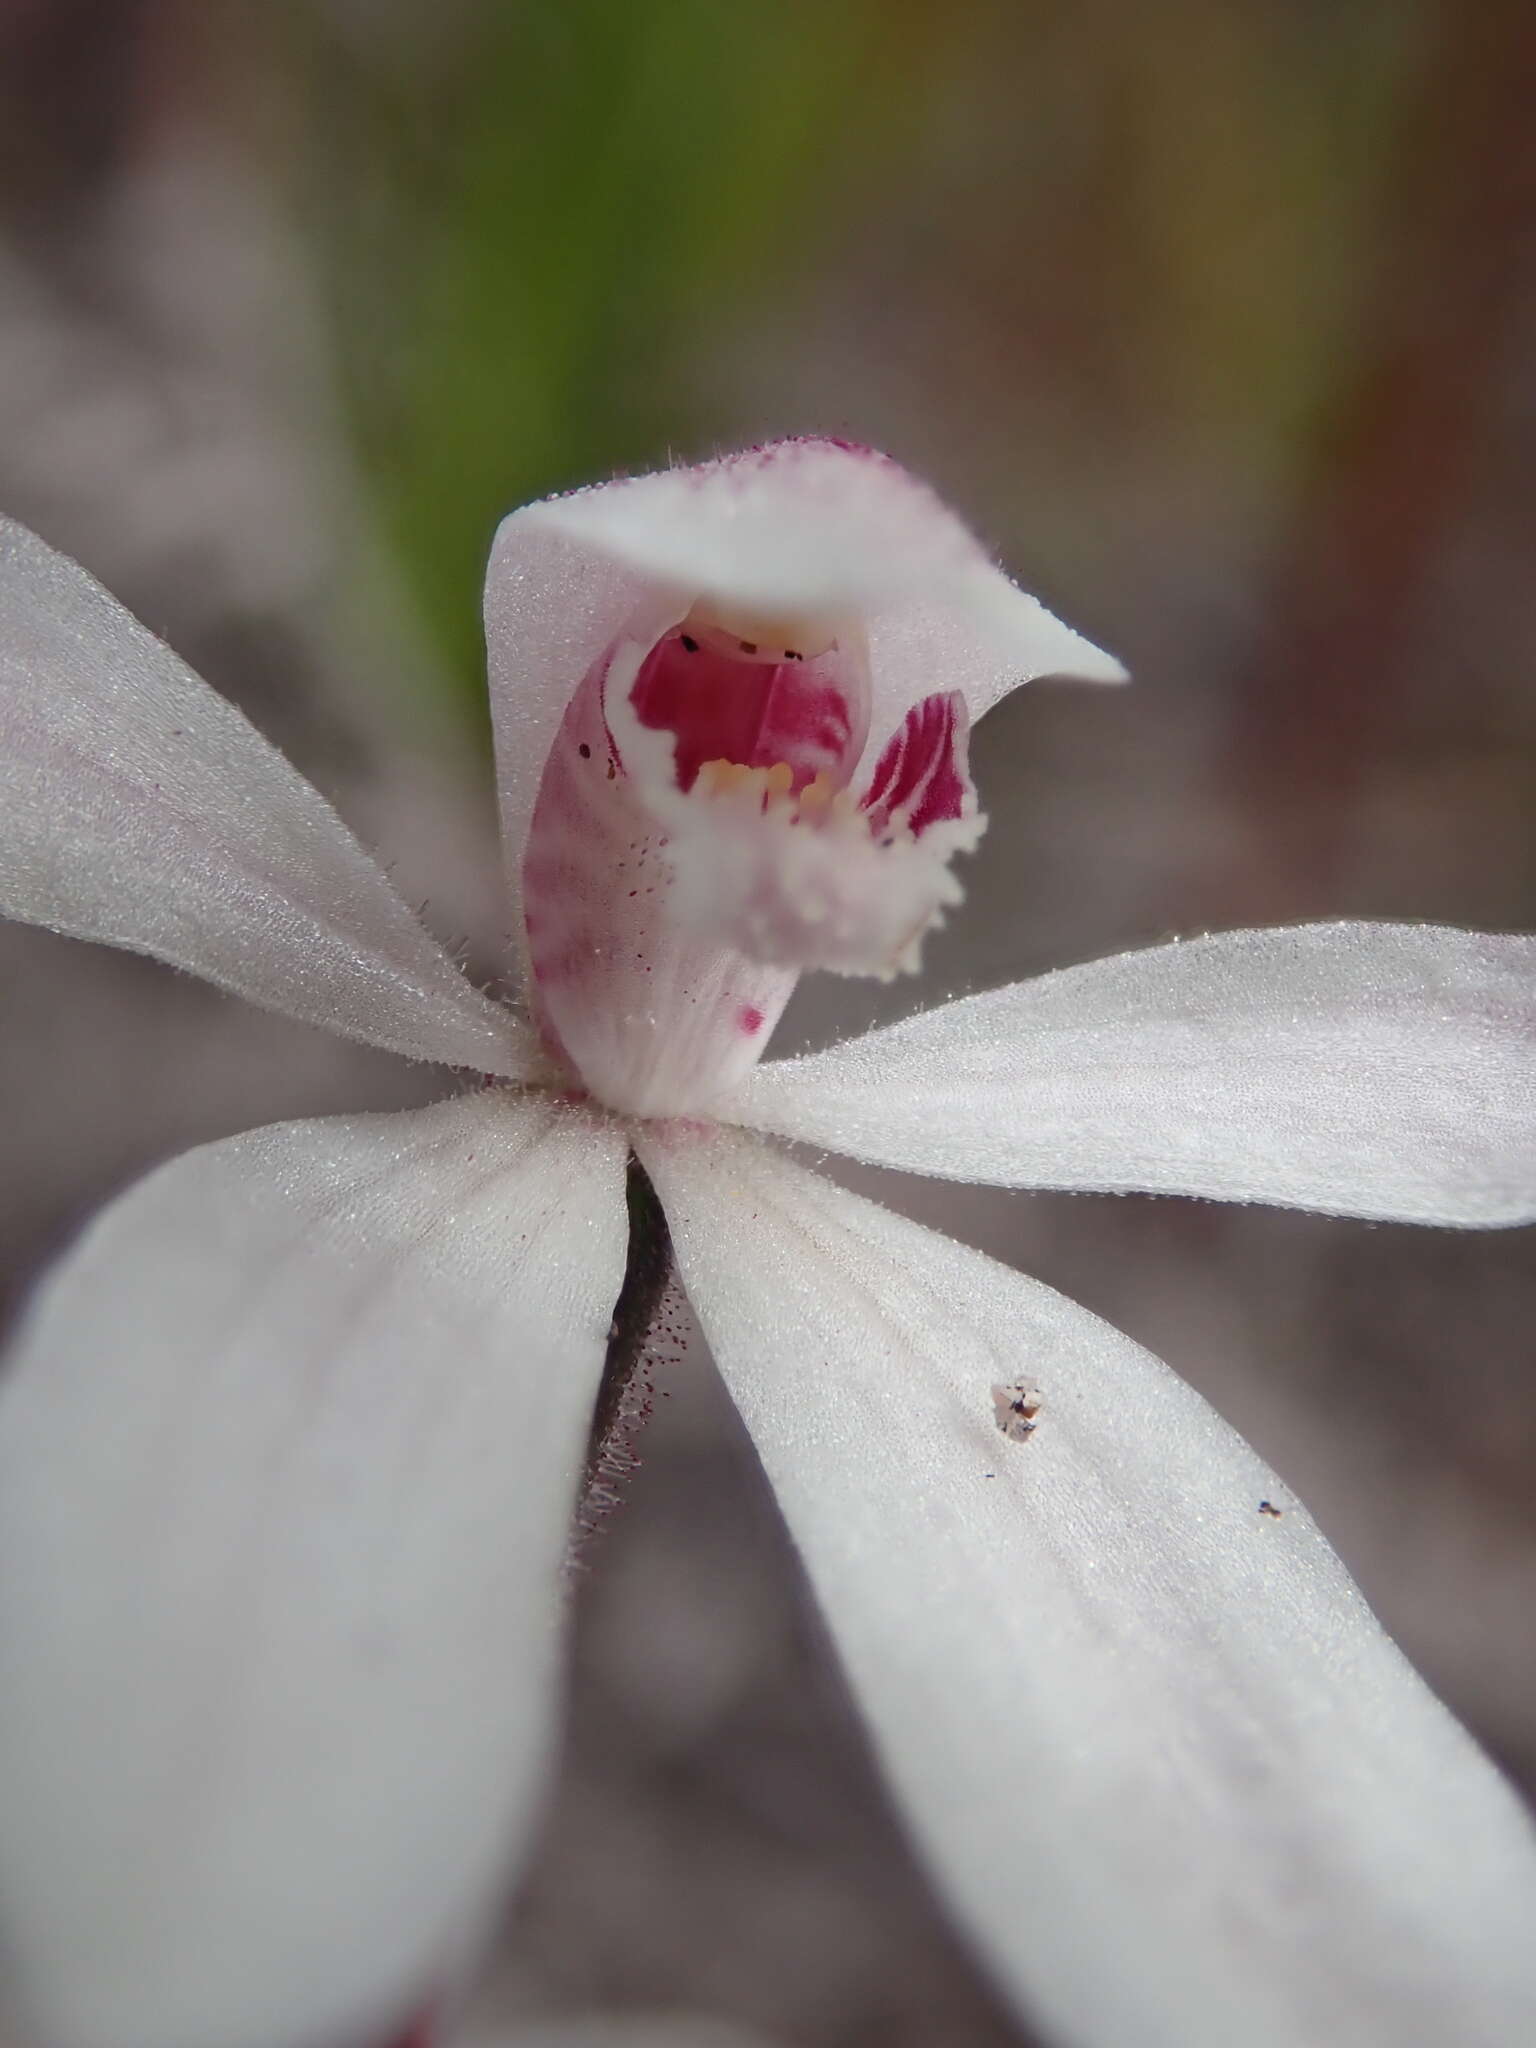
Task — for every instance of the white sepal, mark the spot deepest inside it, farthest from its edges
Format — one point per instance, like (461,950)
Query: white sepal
(286,1462)
(1361,1069)
(139,808)
(1166,1767)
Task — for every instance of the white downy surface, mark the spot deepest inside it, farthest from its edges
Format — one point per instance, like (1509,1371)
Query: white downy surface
(1362,1069)
(1164,1763)
(140,808)
(287,1459)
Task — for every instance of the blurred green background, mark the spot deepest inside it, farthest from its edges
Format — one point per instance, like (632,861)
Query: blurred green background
(1213,316)
(550,236)
(1217,318)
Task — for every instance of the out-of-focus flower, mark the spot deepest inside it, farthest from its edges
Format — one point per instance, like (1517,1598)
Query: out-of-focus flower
(289,1448)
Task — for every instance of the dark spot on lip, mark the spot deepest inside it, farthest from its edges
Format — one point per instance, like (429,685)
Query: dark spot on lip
(690,643)
(585,751)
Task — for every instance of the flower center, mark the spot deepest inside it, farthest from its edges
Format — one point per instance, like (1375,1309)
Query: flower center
(740,737)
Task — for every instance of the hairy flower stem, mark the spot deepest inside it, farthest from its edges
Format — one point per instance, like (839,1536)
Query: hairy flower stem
(624,1394)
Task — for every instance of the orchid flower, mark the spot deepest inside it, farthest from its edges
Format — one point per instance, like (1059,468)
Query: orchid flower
(291,1439)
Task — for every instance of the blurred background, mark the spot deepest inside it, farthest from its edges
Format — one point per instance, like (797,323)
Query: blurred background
(1218,319)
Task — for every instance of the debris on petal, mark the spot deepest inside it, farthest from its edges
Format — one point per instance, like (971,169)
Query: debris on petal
(1017,1406)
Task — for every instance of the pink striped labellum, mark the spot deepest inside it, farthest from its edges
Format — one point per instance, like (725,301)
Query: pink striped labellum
(733,709)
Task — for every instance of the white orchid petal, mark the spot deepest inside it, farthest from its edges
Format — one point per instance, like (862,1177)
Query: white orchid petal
(983,640)
(139,808)
(286,1463)
(1166,1766)
(1362,1069)
(808,529)
(796,527)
